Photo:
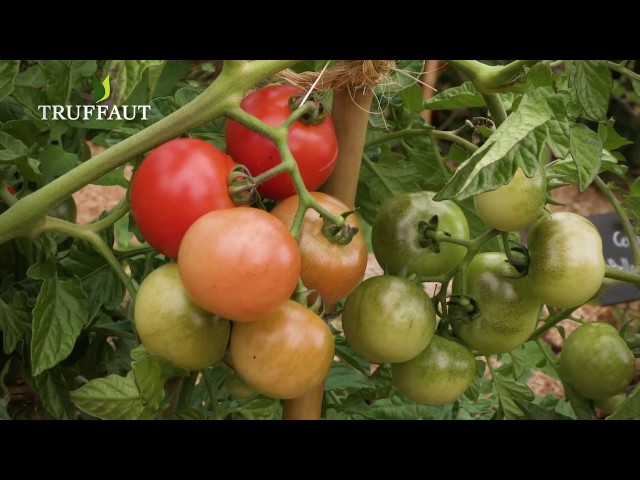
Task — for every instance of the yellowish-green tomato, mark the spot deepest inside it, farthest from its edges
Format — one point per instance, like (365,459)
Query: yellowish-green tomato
(171,326)
(515,205)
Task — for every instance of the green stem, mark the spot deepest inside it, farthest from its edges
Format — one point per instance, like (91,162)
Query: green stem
(436,134)
(186,391)
(211,389)
(470,68)
(298,219)
(504,74)
(114,215)
(624,71)
(440,236)
(71,229)
(491,79)
(621,275)
(624,219)
(550,360)
(113,332)
(551,322)
(224,93)
(496,108)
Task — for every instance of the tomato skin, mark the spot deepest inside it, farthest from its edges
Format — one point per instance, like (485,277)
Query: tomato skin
(596,361)
(240,263)
(314,147)
(395,236)
(284,354)
(515,205)
(171,326)
(509,311)
(610,404)
(566,265)
(438,375)
(388,319)
(175,184)
(11,189)
(332,269)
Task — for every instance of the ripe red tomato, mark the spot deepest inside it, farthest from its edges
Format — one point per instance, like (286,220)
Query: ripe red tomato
(240,263)
(12,190)
(174,185)
(314,147)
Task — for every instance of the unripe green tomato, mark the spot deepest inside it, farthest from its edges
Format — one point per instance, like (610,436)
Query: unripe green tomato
(596,361)
(395,234)
(438,375)
(515,205)
(610,404)
(509,311)
(388,319)
(171,326)
(566,266)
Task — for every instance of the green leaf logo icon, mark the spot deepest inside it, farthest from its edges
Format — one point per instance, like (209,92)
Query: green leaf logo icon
(101,91)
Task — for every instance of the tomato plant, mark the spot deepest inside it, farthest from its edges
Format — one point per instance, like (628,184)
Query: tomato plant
(329,267)
(171,326)
(438,375)
(567,266)
(313,144)
(176,184)
(283,354)
(399,241)
(240,264)
(387,319)
(444,183)
(596,361)
(508,311)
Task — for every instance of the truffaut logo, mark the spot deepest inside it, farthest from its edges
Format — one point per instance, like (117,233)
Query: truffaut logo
(101,92)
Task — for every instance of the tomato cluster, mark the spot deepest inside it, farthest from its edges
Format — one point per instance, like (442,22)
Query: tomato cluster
(496,296)
(236,268)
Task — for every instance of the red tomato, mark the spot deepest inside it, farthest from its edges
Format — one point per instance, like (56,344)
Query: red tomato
(176,184)
(240,263)
(314,147)
(12,190)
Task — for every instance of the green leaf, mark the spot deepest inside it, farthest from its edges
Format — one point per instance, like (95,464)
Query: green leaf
(593,83)
(192,414)
(59,315)
(630,408)
(581,406)
(261,408)
(54,394)
(509,391)
(150,374)
(586,149)
(412,98)
(100,283)
(114,177)
(518,142)
(55,162)
(4,415)
(172,72)
(558,126)
(518,361)
(13,151)
(345,353)
(343,377)
(15,325)
(112,398)
(399,408)
(29,132)
(31,98)
(31,77)
(127,74)
(8,72)
(611,140)
(536,412)
(62,76)
(464,96)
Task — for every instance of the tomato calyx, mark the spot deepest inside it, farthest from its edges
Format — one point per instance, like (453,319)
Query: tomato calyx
(517,256)
(242,187)
(427,234)
(340,234)
(463,308)
(313,115)
(316,305)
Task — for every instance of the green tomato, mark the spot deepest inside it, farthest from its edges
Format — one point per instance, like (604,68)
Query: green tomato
(65,210)
(610,404)
(509,312)
(388,319)
(515,205)
(566,266)
(596,361)
(171,326)
(395,234)
(438,375)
